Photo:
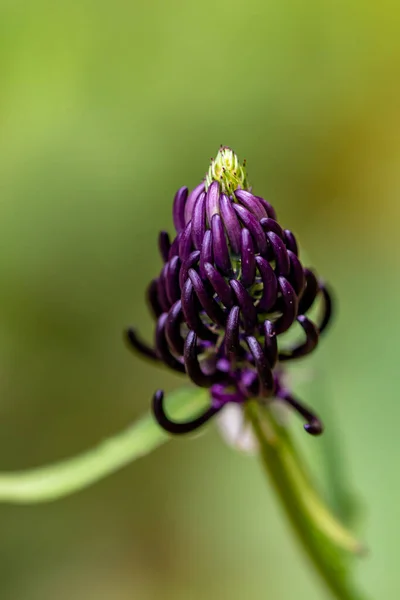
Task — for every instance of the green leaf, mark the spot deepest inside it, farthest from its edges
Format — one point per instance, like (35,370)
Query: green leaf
(62,478)
(326,541)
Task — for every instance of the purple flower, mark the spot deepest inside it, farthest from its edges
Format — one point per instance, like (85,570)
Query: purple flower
(231,284)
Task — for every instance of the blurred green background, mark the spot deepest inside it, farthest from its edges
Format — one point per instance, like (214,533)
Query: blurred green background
(105,110)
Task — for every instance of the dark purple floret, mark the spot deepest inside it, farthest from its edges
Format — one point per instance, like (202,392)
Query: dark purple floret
(179,208)
(231,284)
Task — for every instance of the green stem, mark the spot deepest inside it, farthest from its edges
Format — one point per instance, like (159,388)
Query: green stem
(322,537)
(62,478)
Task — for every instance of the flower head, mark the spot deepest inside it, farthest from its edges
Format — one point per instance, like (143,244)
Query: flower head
(231,284)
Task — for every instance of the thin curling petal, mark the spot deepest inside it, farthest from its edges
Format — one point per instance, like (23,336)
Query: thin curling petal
(310,292)
(248,259)
(245,302)
(270,343)
(290,241)
(268,207)
(296,276)
(272,225)
(199,221)
(220,246)
(173,328)
(280,253)
(270,285)
(232,340)
(139,345)
(186,242)
(162,289)
(174,427)
(191,201)
(190,307)
(172,280)
(327,309)
(252,204)
(212,201)
(312,336)
(210,306)
(152,298)
(313,426)
(289,306)
(162,346)
(250,222)
(190,262)
(264,372)
(231,223)
(164,245)
(206,254)
(219,284)
(179,209)
(192,364)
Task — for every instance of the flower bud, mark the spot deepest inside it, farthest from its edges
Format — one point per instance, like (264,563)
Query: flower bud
(231,284)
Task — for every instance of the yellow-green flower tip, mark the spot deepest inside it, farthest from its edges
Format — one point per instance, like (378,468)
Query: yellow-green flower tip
(228,171)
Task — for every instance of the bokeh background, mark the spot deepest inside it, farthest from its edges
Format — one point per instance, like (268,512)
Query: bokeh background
(105,110)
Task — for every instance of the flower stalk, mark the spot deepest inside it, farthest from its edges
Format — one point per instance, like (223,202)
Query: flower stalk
(323,538)
(60,479)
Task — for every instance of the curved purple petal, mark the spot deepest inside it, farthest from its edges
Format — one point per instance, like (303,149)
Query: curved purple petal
(220,246)
(190,307)
(290,241)
(268,207)
(219,284)
(192,364)
(270,285)
(252,204)
(251,223)
(289,306)
(312,337)
(309,293)
(248,259)
(185,242)
(231,223)
(232,341)
(162,348)
(172,280)
(191,201)
(297,276)
(179,208)
(210,306)
(189,263)
(280,254)
(162,289)
(264,372)
(206,254)
(173,328)
(270,344)
(199,221)
(271,225)
(212,201)
(245,301)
